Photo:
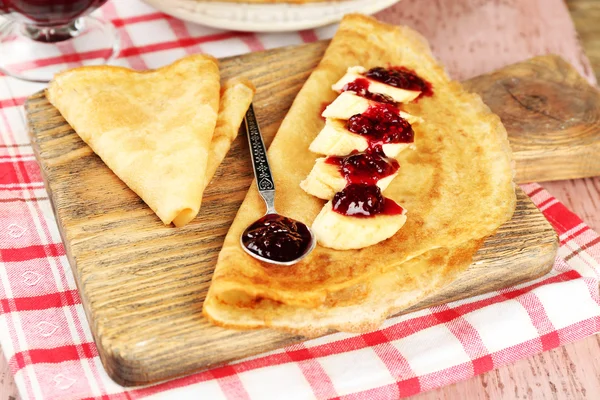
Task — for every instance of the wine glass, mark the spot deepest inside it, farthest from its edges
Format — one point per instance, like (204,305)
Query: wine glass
(39,38)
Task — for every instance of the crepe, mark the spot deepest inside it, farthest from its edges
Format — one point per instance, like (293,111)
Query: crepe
(152,129)
(359,308)
(236,96)
(456,185)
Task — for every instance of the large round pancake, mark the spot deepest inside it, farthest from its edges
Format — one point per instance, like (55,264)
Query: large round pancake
(457,185)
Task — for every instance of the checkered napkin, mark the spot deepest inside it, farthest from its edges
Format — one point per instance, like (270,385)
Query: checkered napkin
(45,336)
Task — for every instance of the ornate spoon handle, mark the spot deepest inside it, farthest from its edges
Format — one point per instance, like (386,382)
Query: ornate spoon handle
(260,163)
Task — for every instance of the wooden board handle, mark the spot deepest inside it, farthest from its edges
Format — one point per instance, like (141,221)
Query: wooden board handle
(551,115)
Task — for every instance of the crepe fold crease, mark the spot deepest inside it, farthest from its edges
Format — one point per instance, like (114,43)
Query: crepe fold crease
(156,130)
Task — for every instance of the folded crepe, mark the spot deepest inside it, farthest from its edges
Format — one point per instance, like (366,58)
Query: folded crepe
(155,129)
(236,96)
(358,308)
(456,185)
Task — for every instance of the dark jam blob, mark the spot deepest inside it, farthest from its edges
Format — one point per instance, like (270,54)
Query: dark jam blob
(360,86)
(381,123)
(359,200)
(277,238)
(367,167)
(402,78)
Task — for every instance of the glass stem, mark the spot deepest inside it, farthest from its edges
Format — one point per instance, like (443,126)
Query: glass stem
(54,34)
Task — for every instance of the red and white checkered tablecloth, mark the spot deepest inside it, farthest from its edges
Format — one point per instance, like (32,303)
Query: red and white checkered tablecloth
(45,335)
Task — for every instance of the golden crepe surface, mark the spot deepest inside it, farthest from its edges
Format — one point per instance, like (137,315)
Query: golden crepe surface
(152,129)
(236,96)
(456,185)
(358,308)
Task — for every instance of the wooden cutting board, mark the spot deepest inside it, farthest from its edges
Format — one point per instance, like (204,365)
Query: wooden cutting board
(142,284)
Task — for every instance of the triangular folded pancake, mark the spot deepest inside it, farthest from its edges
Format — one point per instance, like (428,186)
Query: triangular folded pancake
(152,129)
(236,96)
(456,185)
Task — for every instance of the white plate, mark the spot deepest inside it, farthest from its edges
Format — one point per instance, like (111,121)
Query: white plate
(266,17)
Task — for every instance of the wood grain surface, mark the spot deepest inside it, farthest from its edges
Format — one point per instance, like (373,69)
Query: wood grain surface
(142,284)
(571,371)
(8,388)
(586,14)
(552,115)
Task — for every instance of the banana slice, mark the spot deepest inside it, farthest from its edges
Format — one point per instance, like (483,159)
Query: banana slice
(348,104)
(341,232)
(398,95)
(335,140)
(325,180)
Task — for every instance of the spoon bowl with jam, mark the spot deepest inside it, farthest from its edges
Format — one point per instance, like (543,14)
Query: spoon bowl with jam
(273,238)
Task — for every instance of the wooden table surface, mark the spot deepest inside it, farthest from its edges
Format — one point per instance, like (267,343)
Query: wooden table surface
(568,372)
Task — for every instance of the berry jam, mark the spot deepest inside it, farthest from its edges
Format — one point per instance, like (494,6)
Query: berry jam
(360,86)
(324,105)
(381,124)
(277,238)
(361,200)
(368,167)
(401,78)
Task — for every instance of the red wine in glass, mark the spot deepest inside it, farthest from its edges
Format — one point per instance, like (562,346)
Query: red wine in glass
(35,30)
(48,12)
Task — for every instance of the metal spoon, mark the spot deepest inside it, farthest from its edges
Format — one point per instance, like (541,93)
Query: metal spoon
(273,238)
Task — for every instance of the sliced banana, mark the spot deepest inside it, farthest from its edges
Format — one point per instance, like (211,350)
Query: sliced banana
(335,140)
(340,232)
(398,95)
(325,180)
(332,229)
(348,104)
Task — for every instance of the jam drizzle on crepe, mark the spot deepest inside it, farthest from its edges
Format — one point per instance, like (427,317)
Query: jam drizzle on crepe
(367,167)
(364,200)
(401,78)
(380,124)
(360,86)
